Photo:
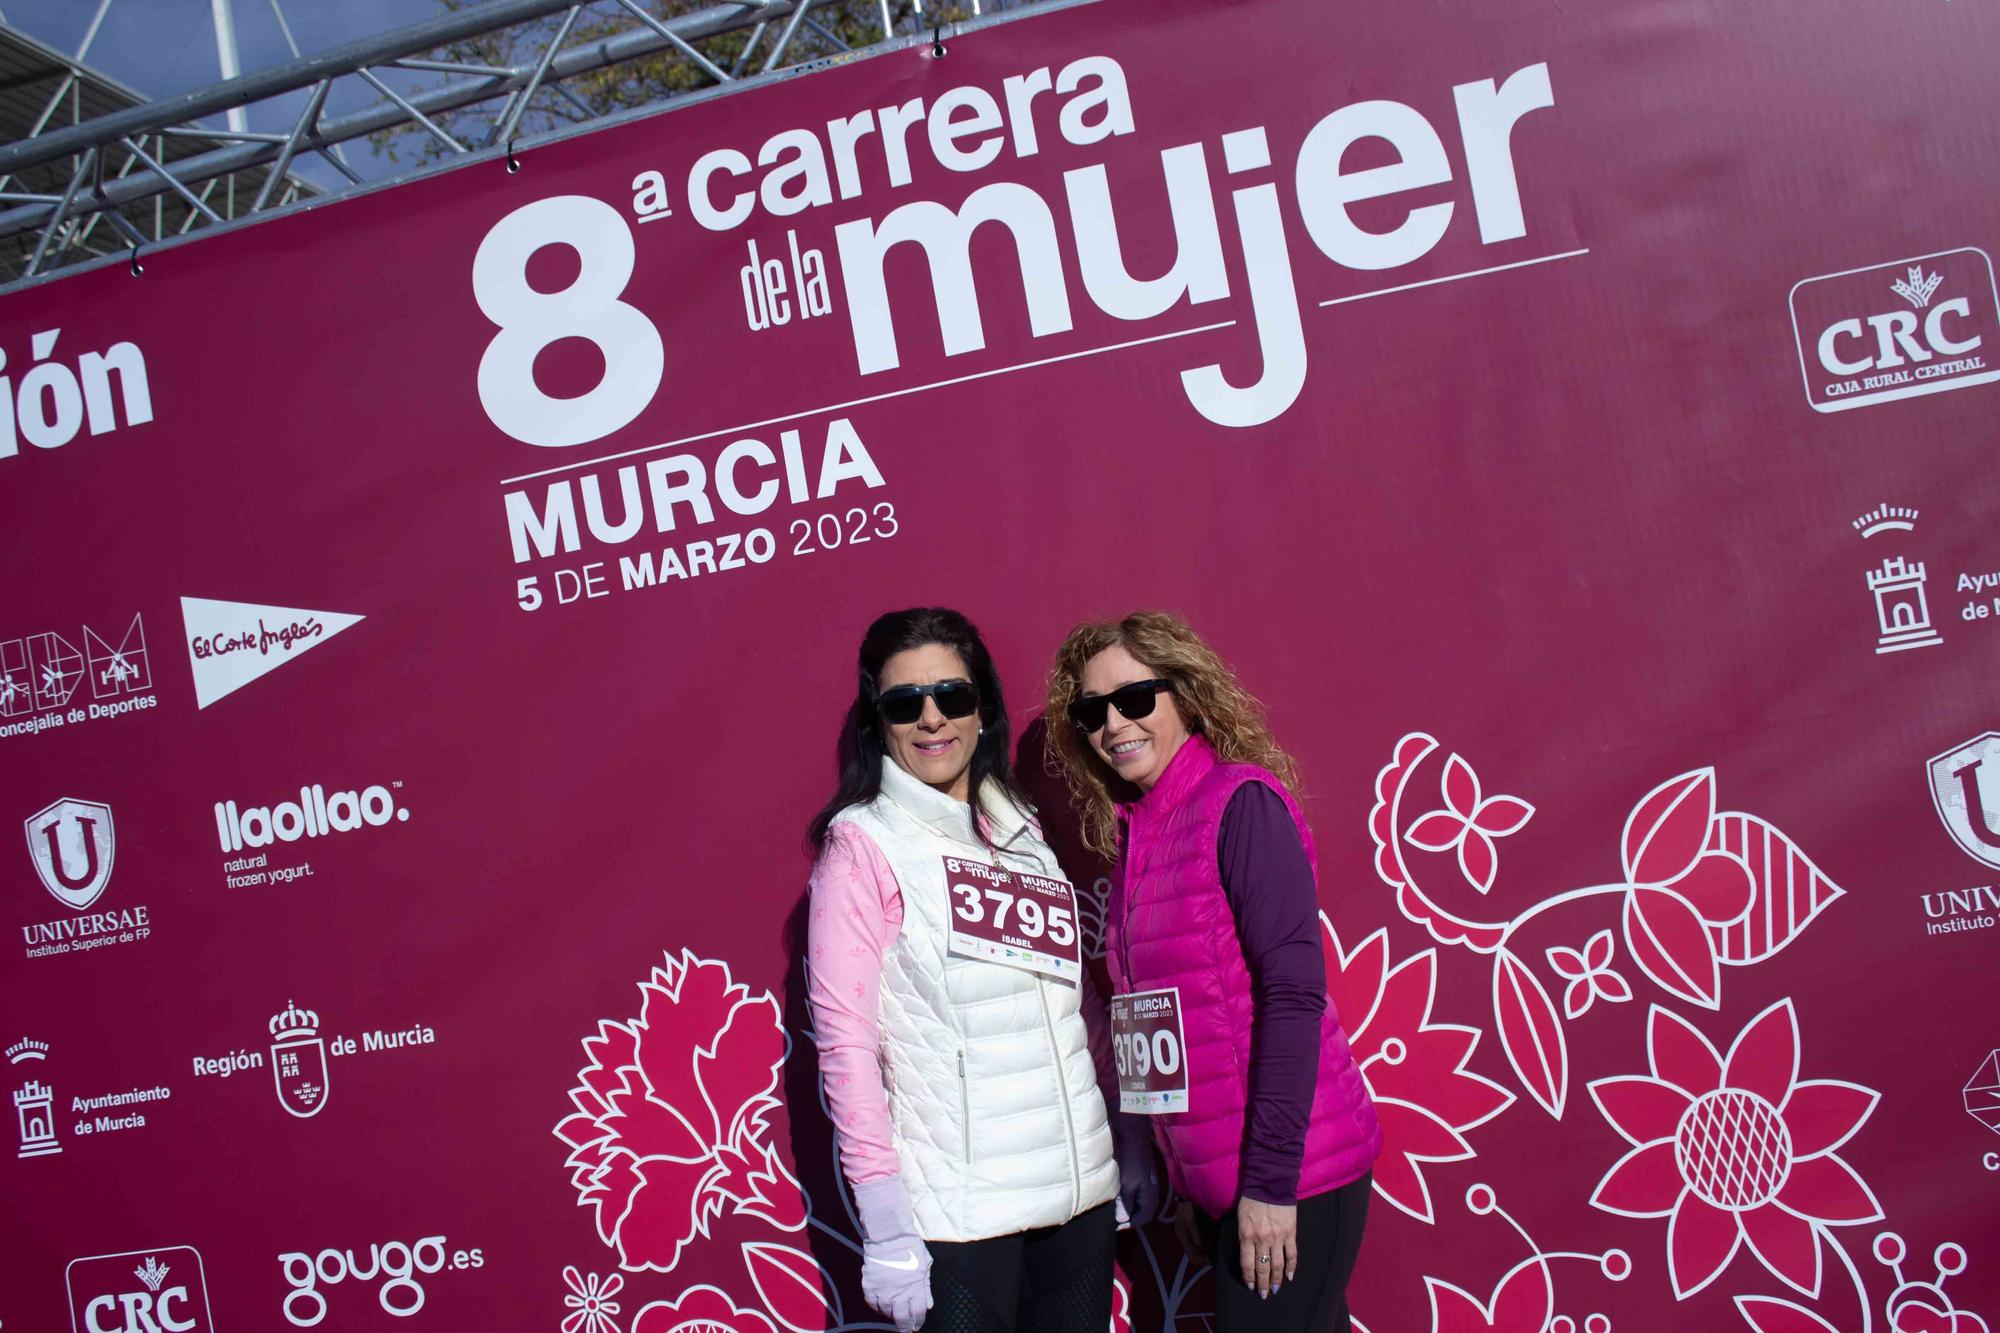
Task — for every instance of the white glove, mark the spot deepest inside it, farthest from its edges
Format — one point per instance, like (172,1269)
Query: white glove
(895,1266)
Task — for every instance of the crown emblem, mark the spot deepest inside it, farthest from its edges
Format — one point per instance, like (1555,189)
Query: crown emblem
(295,1022)
(1917,288)
(152,1272)
(1884,518)
(26,1049)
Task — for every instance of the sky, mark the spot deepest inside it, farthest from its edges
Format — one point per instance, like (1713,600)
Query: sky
(162,47)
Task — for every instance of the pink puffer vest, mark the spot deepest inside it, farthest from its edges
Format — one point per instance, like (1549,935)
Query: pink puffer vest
(1170,925)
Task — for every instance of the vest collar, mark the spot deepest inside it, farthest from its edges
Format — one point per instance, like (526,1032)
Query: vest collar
(1190,764)
(943,815)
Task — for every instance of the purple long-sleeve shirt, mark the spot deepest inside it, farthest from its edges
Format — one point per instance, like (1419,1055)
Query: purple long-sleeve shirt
(1269,884)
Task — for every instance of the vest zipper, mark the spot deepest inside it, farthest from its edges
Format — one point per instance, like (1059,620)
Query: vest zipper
(965,1107)
(1062,1078)
(1132,868)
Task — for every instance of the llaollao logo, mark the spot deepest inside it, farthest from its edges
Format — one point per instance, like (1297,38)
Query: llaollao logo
(315,814)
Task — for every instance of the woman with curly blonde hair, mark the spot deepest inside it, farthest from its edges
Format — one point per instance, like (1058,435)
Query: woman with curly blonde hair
(1224,1033)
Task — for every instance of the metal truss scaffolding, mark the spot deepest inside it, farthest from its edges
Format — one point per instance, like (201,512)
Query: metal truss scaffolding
(40,87)
(98,168)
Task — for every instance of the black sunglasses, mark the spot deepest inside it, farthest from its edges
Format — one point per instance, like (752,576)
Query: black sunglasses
(1132,701)
(905,704)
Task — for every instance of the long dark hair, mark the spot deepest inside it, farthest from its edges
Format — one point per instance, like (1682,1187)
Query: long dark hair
(861,751)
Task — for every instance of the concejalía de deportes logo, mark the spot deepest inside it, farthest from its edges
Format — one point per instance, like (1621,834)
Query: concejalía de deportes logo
(400,1267)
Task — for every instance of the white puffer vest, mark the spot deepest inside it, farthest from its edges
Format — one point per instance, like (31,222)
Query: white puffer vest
(993,1099)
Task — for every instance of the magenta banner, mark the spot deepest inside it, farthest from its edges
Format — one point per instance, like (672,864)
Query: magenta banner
(429,618)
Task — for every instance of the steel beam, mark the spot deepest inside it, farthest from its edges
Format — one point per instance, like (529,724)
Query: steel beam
(237,157)
(285,78)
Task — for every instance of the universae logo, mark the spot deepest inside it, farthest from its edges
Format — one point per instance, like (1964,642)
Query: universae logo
(73,844)
(1897,330)
(1965,789)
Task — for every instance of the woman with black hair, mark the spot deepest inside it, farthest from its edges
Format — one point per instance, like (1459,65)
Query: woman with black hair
(947,999)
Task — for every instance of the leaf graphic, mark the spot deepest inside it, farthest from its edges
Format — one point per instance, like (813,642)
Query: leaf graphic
(793,1287)
(1530,1032)
(1476,860)
(1670,944)
(1769,1314)
(1501,815)
(1566,962)
(1438,831)
(1666,830)
(1461,787)
(1789,889)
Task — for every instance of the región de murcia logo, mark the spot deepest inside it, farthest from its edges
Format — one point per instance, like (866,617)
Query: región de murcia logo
(298,1061)
(301,1059)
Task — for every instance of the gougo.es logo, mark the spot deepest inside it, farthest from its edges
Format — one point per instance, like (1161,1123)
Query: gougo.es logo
(399,1265)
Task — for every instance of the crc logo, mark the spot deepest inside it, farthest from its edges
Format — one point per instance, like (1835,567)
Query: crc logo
(1965,788)
(401,1294)
(72,844)
(1916,326)
(140,1291)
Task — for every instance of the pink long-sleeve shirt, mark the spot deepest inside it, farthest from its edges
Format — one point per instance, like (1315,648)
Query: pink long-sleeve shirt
(856,914)
(854,918)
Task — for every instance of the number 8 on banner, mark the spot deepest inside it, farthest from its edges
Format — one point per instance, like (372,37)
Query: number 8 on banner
(589,308)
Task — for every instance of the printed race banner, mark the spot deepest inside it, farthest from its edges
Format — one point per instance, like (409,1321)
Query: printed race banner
(429,617)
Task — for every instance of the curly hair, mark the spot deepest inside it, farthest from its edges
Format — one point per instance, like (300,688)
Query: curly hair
(1212,702)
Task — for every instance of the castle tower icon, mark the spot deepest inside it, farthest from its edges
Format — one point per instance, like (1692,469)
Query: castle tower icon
(1900,608)
(34,1104)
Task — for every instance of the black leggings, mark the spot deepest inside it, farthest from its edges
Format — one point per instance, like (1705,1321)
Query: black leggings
(1330,1227)
(1049,1280)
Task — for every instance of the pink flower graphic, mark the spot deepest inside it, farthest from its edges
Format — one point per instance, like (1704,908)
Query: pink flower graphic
(1424,1096)
(1469,823)
(1735,1150)
(671,1115)
(1384,821)
(591,1307)
(1681,894)
(701,1309)
(1589,974)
